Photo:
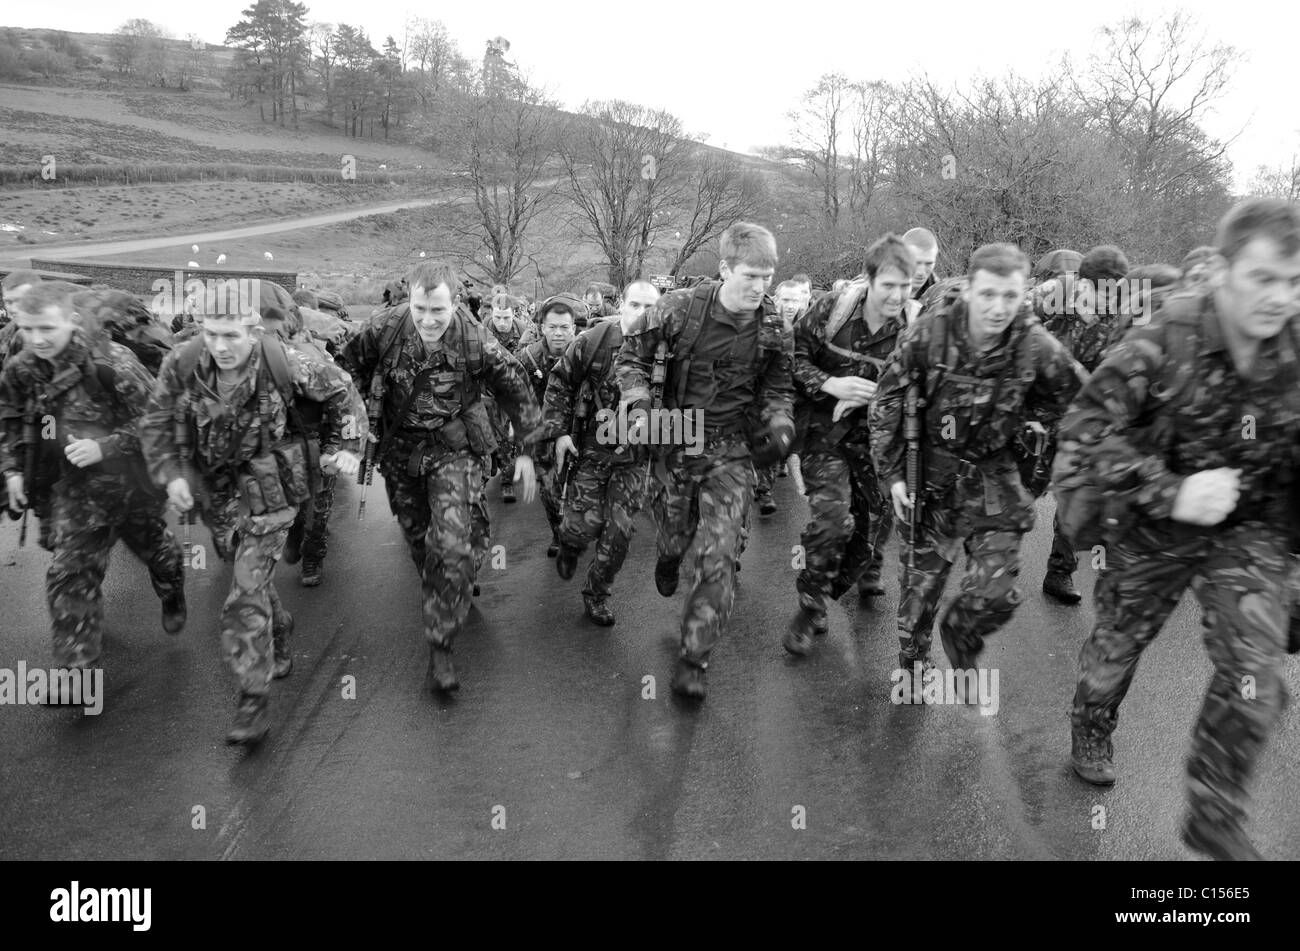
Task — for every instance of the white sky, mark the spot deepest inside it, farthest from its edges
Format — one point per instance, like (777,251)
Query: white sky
(732,73)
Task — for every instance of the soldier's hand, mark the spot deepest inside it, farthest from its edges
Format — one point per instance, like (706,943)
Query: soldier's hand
(17,498)
(178,494)
(902,500)
(842,407)
(563,446)
(83,452)
(1207,497)
(525,473)
(342,461)
(851,388)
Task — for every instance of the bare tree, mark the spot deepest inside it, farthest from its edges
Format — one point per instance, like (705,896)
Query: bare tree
(1280,181)
(723,194)
(502,144)
(817,126)
(626,166)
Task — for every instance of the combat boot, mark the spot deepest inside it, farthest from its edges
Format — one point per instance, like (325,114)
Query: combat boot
(566,562)
(960,656)
(688,680)
(293,545)
(311,572)
(666,572)
(1059,585)
(507,490)
(282,666)
(765,504)
(1226,843)
(441,677)
(1090,755)
(869,585)
(798,638)
(174,614)
(251,720)
(598,610)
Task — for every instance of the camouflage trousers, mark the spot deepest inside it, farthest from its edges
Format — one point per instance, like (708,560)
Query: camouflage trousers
(602,505)
(1063,559)
(709,494)
(84,521)
(443,517)
(1239,575)
(766,479)
(549,490)
(253,545)
(314,541)
(851,515)
(989,525)
(508,447)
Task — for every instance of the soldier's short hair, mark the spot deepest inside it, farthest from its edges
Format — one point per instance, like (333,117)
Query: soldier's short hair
(1104,262)
(638,280)
(1195,257)
(790,285)
(431,274)
(889,251)
(44,296)
(802,278)
(922,238)
(747,243)
(19,278)
(1259,218)
(998,258)
(561,308)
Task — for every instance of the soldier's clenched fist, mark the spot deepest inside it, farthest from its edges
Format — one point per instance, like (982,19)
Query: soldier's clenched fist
(1208,497)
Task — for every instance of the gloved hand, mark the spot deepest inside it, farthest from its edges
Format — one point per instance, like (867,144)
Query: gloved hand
(772,444)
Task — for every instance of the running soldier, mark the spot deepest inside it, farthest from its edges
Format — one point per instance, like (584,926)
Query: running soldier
(925,252)
(840,348)
(790,303)
(1188,432)
(1088,325)
(730,364)
(509,331)
(223,432)
(606,484)
(968,378)
(559,316)
(424,368)
(70,450)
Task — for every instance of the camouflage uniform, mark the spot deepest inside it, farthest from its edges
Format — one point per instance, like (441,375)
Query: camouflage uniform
(739,376)
(431,457)
(220,442)
(84,512)
(972,493)
(1141,449)
(851,514)
(538,362)
(508,446)
(608,487)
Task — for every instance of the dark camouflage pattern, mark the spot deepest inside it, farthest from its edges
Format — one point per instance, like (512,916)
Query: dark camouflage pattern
(442,519)
(433,466)
(252,604)
(602,505)
(851,516)
(972,494)
(1140,442)
(83,512)
(709,495)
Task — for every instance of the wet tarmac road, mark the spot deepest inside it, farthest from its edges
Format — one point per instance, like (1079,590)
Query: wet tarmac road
(552,750)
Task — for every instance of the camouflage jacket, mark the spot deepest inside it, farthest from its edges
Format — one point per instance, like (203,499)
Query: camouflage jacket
(599,390)
(1157,410)
(817,359)
(976,404)
(735,389)
(1072,320)
(448,411)
(62,404)
(537,362)
(188,424)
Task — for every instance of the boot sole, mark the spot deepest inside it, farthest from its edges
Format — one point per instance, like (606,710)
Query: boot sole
(1081,772)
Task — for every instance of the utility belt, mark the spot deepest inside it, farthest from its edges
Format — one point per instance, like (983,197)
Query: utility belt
(279,479)
(416,452)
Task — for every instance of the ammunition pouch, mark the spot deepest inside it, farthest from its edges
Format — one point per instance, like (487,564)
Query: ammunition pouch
(276,480)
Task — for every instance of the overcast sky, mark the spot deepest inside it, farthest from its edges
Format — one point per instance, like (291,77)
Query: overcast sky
(732,73)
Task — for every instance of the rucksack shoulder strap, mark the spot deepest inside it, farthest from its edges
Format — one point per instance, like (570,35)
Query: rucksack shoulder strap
(596,358)
(845,305)
(696,313)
